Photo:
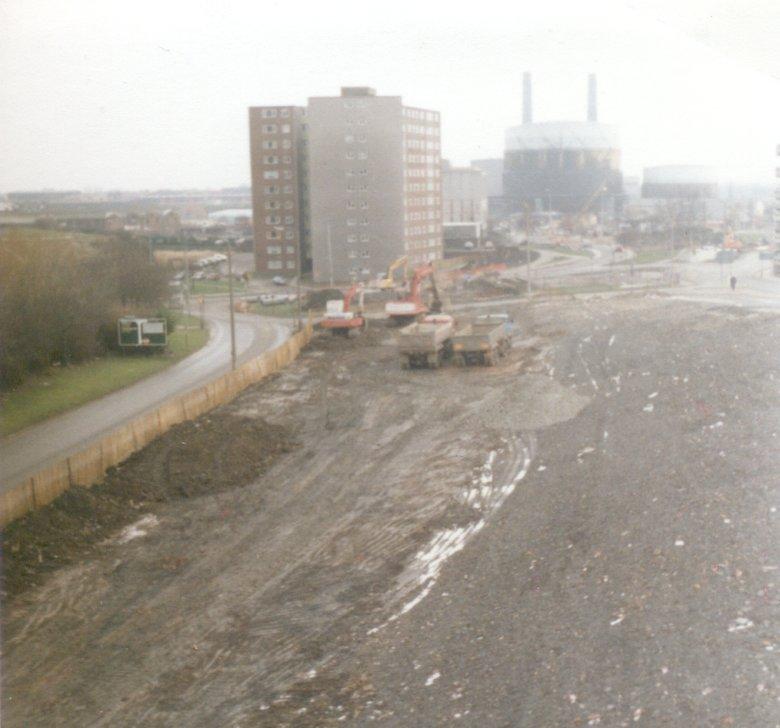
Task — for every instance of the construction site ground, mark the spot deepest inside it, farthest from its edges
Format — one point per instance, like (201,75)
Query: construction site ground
(585,534)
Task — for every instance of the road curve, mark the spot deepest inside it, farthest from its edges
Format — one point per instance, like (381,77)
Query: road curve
(35,447)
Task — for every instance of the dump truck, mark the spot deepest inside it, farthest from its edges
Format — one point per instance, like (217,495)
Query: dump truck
(483,341)
(426,343)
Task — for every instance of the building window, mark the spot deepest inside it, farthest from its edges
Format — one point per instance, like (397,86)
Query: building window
(274,249)
(291,249)
(272,220)
(290,265)
(269,128)
(268,113)
(350,205)
(364,237)
(289,235)
(289,220)
(288,205)
(285,128)
(351,238)
(270,159)
(286,144)
(350,155)
(288,174)
(271,190)
(272,205)
(271,234)
(285,112)
(269,144)
(274,264)
(288,189)
(271,174)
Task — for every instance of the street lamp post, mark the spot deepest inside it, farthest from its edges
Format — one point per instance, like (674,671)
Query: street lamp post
(187,293)
(298,284)
(528,250)
(232,314)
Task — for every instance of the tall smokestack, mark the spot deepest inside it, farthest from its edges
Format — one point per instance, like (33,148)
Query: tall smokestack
(593,113)
(528,112)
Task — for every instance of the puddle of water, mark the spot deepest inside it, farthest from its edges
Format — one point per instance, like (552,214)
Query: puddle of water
(138,529)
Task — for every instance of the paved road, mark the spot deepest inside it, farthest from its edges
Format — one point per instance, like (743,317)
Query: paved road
(25,452)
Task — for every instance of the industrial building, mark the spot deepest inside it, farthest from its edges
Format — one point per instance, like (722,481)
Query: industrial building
(347,184)
(464,191)
(494,178)
(686,196)
(570,167)
(679,181)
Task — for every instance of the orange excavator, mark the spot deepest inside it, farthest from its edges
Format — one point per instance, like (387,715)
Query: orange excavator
(412,307)
(339,317)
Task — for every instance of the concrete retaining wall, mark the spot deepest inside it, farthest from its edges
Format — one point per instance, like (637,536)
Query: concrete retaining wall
(90,465)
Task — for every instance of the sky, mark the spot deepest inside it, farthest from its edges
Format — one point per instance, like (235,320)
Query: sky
(115,95)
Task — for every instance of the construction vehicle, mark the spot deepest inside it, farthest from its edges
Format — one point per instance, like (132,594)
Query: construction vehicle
(483,341)
(412,307)
(426,343)
(339,317)
(730,242)
(388,282)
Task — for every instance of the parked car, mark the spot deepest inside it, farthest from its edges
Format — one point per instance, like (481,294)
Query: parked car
(278,281)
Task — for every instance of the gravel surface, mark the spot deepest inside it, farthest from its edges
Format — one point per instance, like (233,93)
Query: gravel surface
(583,535)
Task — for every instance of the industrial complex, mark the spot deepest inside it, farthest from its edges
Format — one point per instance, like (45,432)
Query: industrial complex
(562,166)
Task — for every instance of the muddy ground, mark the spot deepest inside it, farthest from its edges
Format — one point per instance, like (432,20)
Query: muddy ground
(423,555)
(210,454)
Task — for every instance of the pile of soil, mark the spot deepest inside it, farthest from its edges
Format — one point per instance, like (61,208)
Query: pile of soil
(207,455)
(491,287)
(316,300)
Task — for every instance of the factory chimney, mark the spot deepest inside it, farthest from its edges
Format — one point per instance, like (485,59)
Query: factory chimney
(528,115)
(593,114)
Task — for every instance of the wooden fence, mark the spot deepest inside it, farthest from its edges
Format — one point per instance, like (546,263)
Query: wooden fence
(90,465)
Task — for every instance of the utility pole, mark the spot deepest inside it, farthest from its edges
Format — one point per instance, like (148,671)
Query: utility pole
(232,315)
(528,250)
(330,257)
(298,285)
(187,293)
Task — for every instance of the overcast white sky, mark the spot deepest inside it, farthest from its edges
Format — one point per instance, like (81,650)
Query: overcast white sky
(109,94)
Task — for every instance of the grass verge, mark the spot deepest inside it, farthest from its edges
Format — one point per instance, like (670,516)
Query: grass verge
(198,288)
(62,388)
(566,250)
(651,255)
(279,310)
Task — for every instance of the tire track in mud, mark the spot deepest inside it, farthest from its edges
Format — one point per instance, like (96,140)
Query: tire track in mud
(394,477)
(485,495)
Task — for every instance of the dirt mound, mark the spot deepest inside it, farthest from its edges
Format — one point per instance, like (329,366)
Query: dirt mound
(316,300)
(207,455)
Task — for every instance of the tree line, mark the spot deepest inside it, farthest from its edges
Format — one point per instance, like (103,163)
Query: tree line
(61,294)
